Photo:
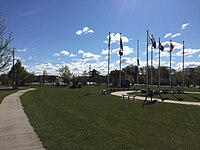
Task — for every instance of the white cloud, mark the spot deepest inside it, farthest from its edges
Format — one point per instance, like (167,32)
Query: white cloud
(175,35)
(115,38)
(80,51)
(85,30)
(184,26)
(104,52)
(190,56)
(163,54)
(79,32)
(72,55)
(62,53)
(167,35)
(126,50)
(191,64)
(89,56)
(49,67)
(22,50)
(188,51)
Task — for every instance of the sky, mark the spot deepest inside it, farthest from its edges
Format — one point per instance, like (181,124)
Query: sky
(50,34)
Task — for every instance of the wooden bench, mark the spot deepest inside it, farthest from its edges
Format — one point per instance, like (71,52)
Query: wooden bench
(129,97)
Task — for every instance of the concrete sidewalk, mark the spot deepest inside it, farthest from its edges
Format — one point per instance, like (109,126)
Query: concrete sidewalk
(16,133)
(159,100)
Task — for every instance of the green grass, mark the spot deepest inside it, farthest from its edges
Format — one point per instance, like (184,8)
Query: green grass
(76,119)
(4,93)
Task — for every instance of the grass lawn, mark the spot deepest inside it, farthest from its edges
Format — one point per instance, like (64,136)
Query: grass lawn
(76,119)
(4,93)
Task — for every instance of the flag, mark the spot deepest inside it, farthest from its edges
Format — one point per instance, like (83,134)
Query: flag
(109,39)
(161,47)
(171,46)
(121,46)
(138,62)
(152,41)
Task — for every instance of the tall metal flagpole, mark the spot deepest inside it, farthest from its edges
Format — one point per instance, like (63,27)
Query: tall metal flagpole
(120,73)
(183,64)
(159,68)
(109,59)
(170,75)
(147,84)
(137,62)
(120,69)
(151,66)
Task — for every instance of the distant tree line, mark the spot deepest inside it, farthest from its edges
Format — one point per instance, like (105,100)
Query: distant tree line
(191,76)
(18,75)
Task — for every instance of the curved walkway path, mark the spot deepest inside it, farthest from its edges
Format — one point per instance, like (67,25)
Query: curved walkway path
(16,132)
(159,100)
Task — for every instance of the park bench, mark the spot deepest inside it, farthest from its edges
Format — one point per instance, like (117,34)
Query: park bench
(129,97)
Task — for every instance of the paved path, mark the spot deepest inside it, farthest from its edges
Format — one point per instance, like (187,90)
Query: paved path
(16,133)
(159,100)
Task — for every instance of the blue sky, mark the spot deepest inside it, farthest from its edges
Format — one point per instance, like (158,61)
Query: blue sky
(49,34)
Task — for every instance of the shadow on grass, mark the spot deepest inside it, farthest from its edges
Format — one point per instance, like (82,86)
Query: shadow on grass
(7,89)
(196,98)
(151,102)
(178,98)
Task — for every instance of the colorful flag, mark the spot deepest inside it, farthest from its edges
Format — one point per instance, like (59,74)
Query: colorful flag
(121,46)
(171,46)
(161,47)
(152,41)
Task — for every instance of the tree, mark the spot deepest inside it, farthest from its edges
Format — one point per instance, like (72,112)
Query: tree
(94,76)
(65,74)
(130,73)
(4,79)
(5,50)
(114,75)
(44,77)
(30,77)
(19,73)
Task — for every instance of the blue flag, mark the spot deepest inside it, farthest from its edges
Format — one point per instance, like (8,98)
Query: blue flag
(161,47)
(121,46)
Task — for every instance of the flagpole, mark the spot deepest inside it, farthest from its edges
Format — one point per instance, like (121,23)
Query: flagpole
(137,62)
(109,60)
(170,75)
(147,84)
(159,68)
(183,64)
(151,66)
(120,73)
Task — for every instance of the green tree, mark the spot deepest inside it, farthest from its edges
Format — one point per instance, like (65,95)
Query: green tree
(94,76)
(44,77)
(19,73)
(114,76)
(4,79)
(65,74)
(5,50)
(197,75)
(30,78)
(130,73)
